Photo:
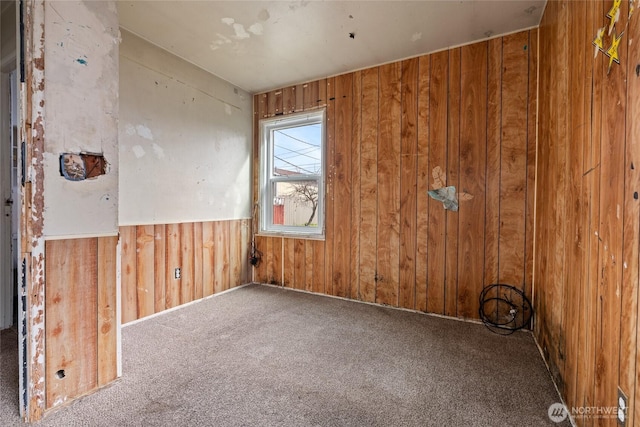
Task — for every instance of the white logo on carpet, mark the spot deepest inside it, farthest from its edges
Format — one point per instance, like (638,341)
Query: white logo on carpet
(557,412)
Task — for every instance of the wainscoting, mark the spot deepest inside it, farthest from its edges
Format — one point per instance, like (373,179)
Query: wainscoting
(211,257)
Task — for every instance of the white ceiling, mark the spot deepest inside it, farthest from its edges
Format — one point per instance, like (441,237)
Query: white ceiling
(262,45)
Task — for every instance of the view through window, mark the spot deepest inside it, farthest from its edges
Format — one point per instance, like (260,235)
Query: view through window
(293,174)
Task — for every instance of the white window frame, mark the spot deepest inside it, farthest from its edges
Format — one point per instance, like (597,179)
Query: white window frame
(268,178)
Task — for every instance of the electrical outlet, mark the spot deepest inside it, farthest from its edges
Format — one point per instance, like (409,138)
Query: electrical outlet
(177,273)
(622,408)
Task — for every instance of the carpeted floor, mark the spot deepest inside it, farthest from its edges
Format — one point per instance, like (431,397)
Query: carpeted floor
(265,356)
(9,411)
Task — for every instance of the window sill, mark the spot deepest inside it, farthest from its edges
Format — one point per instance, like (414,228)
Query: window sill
(302,236)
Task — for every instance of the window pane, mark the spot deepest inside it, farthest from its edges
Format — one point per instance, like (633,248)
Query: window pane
(292,174)
(297,150)
(295,203)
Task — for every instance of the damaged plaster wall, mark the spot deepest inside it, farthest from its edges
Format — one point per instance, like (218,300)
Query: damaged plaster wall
(81,89)
(185,140)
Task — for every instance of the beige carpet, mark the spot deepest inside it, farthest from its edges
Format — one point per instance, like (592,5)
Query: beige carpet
(9,411)
(265,356)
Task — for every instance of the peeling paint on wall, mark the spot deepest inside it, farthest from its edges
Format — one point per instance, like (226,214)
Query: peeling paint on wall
(81,55)
(199,124)
(33,209)
(444,194)
(140,130)
(144,132)
(76,115)
(138,151)
(159,152)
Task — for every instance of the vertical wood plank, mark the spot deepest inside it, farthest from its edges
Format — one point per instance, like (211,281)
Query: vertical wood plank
(611,228)
(473,153)
(329,183)
(245,245)
(274,103)
(257,273)
(187,264)
(593,80)
(422,183)
(107,328)
(310,95)
(408,183)
(629,350)
(221,266)
(342,185)
(356,138)
(389,185)
(369,185)
(235,253)
(263,108)
(160,253)
(72,318)
(574,236)
(198,289)
(128,274)
(289,263)
(277,248)
(260,271)
(532,121)
(550,233)
(543,242)
(309,268)
(299,98)
(493,163)
(299,259)
(270,259)
(318,266)
(453,175)
(259,106)
(438,112)
(145,270)
(174,260)
(513,169)
(323,93)
(288,99)
(218,256)
(208,259)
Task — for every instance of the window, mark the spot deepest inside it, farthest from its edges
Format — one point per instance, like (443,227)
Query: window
(292,174)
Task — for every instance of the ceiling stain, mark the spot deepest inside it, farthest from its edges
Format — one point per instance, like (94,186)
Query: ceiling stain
(264,15)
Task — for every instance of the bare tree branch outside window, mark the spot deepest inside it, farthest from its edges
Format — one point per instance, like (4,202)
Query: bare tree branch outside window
(308,192)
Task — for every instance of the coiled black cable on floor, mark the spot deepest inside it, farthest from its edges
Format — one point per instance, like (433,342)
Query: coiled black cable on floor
(504,309)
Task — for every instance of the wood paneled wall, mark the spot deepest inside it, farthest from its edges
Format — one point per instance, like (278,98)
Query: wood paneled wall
(212,257)
(81,324)
(588,212)
(466,116)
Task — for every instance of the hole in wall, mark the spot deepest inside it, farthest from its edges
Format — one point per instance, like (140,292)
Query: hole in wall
(81,166)
(60,374)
